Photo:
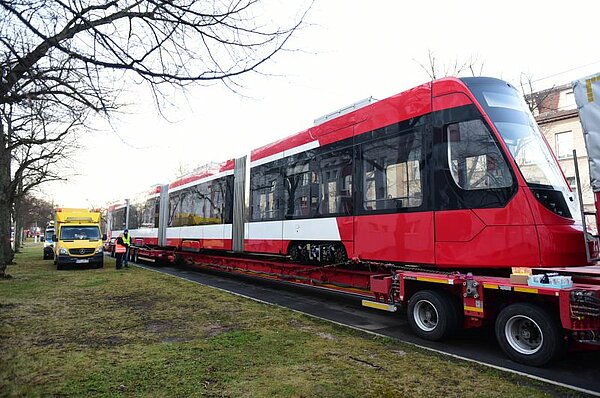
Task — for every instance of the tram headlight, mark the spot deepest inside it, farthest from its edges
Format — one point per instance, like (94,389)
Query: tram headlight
(552,200)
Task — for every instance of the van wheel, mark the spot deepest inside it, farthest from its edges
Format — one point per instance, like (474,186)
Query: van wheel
(433,315)
(529,334)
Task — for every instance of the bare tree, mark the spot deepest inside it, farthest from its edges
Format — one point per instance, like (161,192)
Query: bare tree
(537,101)
(30,212)
(472,66)
(38,139)
(75,52)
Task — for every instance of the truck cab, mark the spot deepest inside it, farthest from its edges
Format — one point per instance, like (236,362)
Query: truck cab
(77,238)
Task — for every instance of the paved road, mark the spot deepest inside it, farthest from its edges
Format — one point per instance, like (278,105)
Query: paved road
(580,370)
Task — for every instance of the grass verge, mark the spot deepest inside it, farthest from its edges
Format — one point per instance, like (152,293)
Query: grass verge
(138,333)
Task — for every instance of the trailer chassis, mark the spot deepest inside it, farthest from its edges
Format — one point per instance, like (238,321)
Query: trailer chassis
(533,325)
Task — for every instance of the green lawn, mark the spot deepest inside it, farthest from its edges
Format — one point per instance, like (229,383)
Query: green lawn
(139,333)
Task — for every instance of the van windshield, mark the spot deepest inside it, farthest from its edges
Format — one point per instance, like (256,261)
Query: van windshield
(79,233)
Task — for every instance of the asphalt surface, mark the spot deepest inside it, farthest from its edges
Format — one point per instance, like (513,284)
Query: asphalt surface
(578,369)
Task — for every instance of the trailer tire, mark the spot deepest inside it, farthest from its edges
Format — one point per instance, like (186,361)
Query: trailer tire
(529,334)
(433,315)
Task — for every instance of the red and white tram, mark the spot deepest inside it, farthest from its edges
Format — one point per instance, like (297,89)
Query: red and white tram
(451,174)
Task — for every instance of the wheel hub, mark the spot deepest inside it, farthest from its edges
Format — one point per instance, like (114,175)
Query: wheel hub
(425,315)
(523,334)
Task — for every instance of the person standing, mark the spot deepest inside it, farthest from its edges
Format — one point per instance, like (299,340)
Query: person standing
(120,250)
(127,243)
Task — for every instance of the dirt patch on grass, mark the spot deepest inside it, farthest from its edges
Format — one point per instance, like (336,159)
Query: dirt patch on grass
(159,326)
(215,330)
(138,302)
(83,341)
(175,339)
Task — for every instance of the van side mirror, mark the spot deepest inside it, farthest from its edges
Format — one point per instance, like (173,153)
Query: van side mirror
(54,239)
(103,236)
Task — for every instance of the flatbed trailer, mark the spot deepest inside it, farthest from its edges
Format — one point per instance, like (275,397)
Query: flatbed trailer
(534,325)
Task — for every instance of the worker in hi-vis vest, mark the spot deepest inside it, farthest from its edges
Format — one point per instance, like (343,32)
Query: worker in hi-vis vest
(127,243)
(120,250)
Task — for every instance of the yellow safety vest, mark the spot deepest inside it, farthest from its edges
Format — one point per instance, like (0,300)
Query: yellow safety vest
(126,239)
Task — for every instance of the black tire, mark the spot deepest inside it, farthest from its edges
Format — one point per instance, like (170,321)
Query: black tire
(295,252)
(339,255)
(529,334)
(434,315)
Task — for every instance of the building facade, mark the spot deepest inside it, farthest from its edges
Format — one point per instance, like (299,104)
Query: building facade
(556,113)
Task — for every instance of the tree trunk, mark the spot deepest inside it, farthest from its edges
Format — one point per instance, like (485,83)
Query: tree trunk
(6,253)
(18,233)
(18,217)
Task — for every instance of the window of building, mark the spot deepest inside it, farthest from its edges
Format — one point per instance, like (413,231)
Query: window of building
(564,144)
(567,100)
(573,184)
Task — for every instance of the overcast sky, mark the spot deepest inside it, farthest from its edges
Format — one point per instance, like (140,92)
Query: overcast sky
(349,50)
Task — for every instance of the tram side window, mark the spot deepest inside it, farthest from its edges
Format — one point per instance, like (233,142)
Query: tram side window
(195,208)
(475,161)
(118,219)
(201,204)
(297,186)
(265,190)
(222,199)
(149,217)
(175,209)
(331,183)
(134,216)
(392,173)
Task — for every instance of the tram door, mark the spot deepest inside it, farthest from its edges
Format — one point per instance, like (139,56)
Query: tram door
(394,214)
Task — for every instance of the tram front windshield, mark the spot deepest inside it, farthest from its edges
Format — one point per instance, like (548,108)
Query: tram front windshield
(513,120)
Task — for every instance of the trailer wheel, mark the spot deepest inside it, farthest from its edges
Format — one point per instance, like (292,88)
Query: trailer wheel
(433,315)
(529,334)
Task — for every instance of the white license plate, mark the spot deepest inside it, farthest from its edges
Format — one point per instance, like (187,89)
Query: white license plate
(83,261)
